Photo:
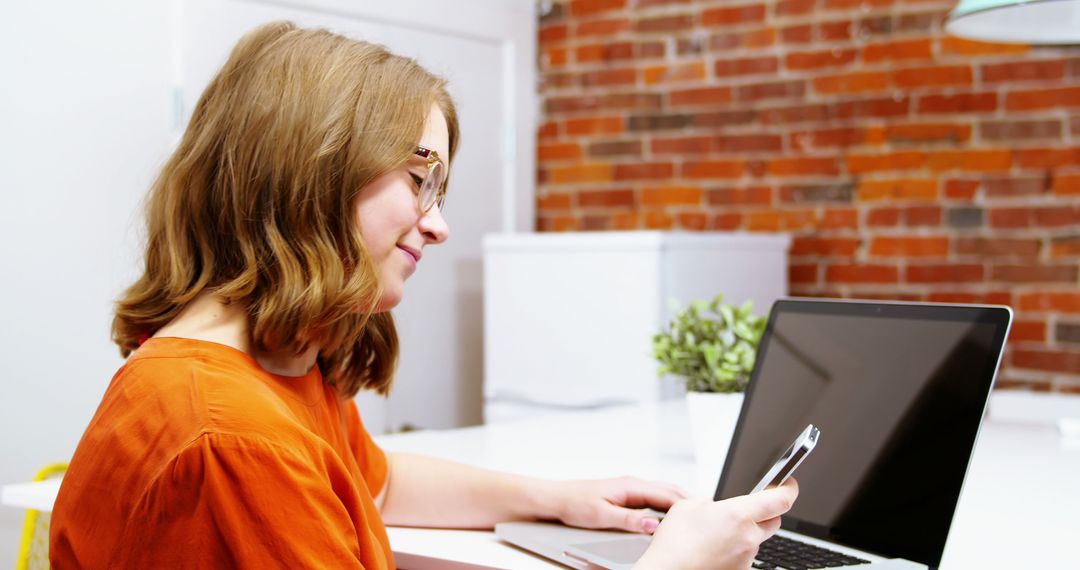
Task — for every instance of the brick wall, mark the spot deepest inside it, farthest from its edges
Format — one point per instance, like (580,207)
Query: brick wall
(905,163)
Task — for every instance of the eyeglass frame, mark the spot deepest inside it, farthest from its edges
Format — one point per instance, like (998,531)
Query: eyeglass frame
(433,161)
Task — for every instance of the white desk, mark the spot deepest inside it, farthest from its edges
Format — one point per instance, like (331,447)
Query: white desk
(1017,510)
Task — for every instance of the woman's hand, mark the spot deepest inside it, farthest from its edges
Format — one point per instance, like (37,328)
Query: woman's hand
(611,503)
(718,535)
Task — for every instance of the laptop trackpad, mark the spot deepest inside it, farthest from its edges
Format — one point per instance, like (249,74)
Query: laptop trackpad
(621,551)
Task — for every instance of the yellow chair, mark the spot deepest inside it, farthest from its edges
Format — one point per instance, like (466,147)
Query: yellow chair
(34,552)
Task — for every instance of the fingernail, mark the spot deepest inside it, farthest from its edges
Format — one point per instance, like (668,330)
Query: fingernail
(649,525)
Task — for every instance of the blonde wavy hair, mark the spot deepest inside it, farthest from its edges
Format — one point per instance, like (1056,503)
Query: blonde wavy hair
(257,202)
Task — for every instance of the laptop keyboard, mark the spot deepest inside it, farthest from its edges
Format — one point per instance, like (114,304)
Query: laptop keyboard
(781,552)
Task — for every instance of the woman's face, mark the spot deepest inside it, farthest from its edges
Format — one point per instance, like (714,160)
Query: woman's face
(392,226)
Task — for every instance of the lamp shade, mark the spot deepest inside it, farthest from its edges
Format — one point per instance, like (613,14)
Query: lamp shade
(1017,21)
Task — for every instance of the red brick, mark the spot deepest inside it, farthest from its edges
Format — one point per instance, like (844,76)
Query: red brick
(944,273)
(753,195)
(626,221)
(839,218)
(581,173)
(953,44)
(970,160)
(800,34)
(1057,216)
(763,221)
(910,246)
(922,216)
(644,171)
(772,90)
(553,34)
(594,126)
(555,57)
(902,160)
(803,166)
(960,189)
(601,27)
(565,151)
(590,7)
(604,149)
(898,189)
(933,76)
(606,77)
(604,52)
(883,217)
(797,114)
(659,220)
(927,132)
(1035,99)
(1020,130)
(713,169)
(791,220)
(827,138)
(1034,273)
(1026,70)
(562,223)
(1009,187)
(746,66)
(554,201)
(548,130)
(860,82)
(682,145)
(814,245)
(733,15)
(958,103)
(1066,184)
(803,273)
(701,96)
(693,71)
(851,273)
(747,143)
(878,107)
(800,61)
(1058,301)
(857,4)
(793,7)
(1051,360)
(1033,331)
(672,196)
(1067,246)
(696,221)
(1006,218)
(605,198)
(727,221)
(1048,157)
(832,31)
(665,24)
(991,247)
(898,50)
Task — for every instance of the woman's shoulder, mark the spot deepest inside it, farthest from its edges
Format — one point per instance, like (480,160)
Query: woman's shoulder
(187,388)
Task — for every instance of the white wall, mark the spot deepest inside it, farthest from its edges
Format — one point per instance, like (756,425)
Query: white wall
(85,119)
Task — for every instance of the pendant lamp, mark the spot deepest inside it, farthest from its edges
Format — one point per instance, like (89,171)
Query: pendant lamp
(1017,21)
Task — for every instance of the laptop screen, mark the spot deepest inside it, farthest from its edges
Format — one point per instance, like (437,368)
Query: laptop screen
(898,392)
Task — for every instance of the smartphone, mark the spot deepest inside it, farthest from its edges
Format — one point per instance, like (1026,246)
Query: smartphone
(790,460)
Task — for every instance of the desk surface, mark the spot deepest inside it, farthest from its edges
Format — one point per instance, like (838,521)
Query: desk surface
(1017,509)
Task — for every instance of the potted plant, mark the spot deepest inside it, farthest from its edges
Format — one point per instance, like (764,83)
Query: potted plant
(710,347)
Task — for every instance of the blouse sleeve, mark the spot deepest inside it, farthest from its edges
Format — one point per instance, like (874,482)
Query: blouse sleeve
(231,501)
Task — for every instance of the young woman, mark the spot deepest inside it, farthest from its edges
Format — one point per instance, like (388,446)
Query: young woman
(280,234)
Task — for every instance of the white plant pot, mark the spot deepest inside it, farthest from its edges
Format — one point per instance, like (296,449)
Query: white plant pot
(712,424)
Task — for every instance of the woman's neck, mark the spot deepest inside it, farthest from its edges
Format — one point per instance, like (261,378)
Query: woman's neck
(209,318)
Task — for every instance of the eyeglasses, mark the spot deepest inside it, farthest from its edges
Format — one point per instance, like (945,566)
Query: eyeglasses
(432,190)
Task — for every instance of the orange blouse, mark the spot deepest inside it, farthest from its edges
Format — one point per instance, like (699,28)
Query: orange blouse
(197,457)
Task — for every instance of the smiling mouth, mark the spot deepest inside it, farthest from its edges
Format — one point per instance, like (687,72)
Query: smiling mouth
(415,254)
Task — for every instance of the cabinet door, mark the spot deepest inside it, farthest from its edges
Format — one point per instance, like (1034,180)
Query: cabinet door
(486,51)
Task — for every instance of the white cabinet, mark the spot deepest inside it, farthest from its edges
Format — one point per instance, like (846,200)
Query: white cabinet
(569,317)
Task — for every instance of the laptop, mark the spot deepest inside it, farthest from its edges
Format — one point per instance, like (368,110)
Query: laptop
(898,391)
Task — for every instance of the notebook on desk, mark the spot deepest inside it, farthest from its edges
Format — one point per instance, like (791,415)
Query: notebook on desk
(899,389)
